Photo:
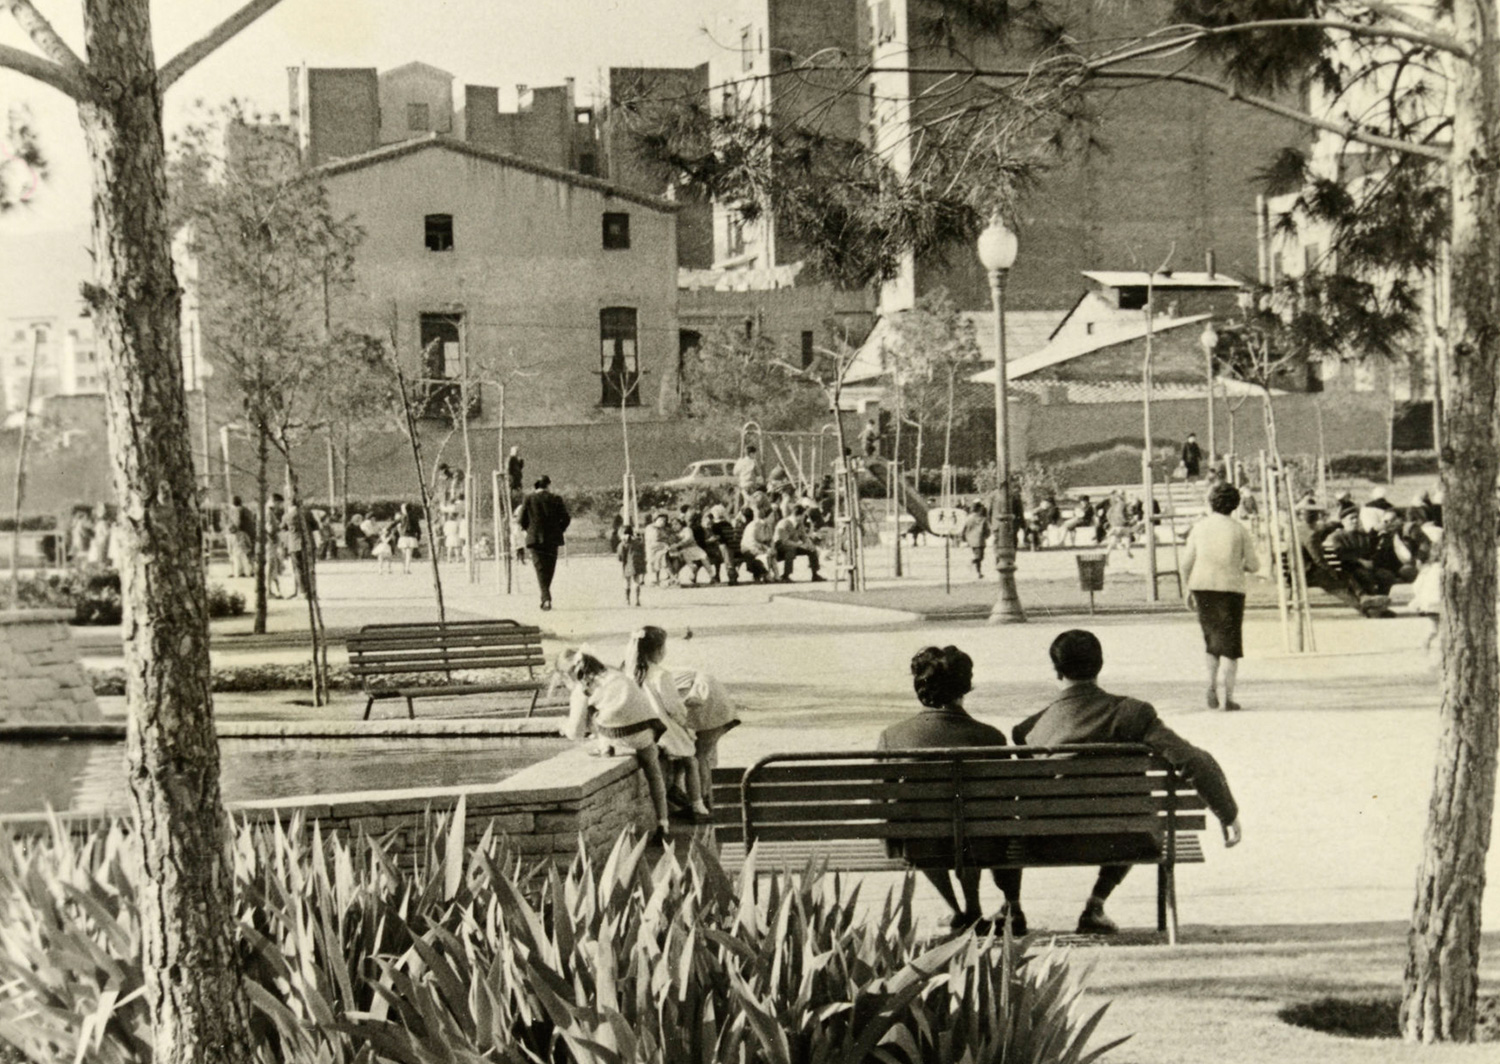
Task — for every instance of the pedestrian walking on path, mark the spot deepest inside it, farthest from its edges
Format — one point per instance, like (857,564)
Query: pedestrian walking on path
(1218,554)
(544,519)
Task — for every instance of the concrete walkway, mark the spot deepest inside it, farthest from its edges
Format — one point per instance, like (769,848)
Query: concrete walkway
(1332,760)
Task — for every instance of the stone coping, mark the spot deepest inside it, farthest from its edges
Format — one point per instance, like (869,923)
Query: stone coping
(568,777)
(305,729)
(35,616)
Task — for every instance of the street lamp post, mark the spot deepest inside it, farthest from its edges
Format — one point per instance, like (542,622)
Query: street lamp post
(997,253)
(1210,340)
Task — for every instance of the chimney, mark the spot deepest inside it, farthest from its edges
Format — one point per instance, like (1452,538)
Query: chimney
(293,94)
(1209,261)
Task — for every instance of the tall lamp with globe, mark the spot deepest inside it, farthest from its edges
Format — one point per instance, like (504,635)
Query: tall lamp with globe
(997,254)
(1209,338)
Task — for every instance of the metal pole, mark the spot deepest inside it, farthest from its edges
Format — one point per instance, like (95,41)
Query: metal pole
(1208,358)
(224,450)
(1007,608)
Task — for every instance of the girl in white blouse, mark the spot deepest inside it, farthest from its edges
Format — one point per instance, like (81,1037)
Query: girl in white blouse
(648,646)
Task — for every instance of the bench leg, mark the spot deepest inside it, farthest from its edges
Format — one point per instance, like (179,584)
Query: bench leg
(369,705)
(411,713)
(1166,902)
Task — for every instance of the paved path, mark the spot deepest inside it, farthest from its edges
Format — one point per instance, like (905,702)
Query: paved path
(1331,762)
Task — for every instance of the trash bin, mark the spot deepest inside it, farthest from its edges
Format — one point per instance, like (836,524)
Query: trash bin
(1091,572)
(1091,575)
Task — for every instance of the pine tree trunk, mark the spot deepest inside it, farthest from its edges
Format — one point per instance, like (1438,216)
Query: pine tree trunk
(1442,967)
(186,891)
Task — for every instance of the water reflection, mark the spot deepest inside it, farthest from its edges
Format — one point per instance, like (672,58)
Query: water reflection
(89,776)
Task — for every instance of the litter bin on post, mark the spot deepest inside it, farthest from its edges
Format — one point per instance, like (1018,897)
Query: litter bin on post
(1091,575)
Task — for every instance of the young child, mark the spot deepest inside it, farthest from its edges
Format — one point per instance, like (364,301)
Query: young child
(657,544)
(632,555)
(648,646)
(710,714)
(621,717)
(385,547)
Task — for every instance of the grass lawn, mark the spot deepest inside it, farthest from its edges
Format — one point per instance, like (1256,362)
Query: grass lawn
(1216,998)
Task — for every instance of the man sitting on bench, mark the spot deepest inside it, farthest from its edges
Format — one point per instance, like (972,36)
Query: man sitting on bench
(1085,713)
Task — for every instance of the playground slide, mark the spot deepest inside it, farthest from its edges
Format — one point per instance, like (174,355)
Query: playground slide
(877,470)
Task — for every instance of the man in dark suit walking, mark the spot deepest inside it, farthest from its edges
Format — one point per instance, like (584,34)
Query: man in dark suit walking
(544,519)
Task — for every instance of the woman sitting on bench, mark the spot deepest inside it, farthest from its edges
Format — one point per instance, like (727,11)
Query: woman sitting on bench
(941,678)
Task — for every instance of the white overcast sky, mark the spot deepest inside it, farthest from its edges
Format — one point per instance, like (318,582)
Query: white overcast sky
(487,42)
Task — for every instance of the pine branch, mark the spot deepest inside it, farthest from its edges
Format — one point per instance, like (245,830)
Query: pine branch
(1098,70)
(220,35)
(74,79)
(43,70)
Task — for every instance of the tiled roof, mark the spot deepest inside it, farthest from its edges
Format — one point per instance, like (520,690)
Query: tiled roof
(388,152)
(1060,351)
(1125,391)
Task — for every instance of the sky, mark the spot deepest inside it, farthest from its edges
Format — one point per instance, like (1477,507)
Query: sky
(486,42)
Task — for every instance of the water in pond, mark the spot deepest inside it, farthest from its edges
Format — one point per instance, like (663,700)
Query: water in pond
(89,776)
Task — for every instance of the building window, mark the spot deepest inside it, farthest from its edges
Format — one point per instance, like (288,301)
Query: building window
(735,243)
(807,348)
(438,393)
(588,164)
(619,363)
(418,120)
(729,104)
(616,231)
(747,50)
(885,25)
(584,116)
(440,232)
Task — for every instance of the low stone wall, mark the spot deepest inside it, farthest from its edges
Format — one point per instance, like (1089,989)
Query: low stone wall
(541,810)
(43,680)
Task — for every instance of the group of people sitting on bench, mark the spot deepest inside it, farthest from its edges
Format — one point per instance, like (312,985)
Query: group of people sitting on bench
(1083,713)
(1365,551)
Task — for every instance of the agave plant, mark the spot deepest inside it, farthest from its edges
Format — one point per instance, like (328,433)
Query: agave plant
(464,954)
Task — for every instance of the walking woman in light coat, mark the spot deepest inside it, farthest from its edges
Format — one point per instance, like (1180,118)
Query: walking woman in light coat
(1218,554)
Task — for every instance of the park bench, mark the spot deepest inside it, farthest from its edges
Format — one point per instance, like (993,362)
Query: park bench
(381,654)
(961,807)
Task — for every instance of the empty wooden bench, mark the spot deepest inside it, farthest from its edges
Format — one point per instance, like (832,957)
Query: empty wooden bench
(387,652)
(964,807)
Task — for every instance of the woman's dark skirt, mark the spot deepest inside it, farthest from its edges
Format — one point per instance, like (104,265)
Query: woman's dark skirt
(1221,615)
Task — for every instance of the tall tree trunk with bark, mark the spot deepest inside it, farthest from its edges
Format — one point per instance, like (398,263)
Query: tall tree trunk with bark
(192,972)
(1441,984)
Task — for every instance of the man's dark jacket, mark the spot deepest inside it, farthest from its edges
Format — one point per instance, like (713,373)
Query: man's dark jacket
(1087,714)
(545,518)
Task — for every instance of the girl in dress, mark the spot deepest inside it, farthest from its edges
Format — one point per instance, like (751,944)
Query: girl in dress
(385,547)
(622,718)
(648,646)
(710,714)
(410,535)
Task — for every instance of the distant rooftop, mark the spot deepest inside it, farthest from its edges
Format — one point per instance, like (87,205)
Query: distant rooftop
(1171,279)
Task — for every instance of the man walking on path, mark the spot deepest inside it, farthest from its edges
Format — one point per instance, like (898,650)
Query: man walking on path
(239,526)
(1192,456)
(747,476)
(1085,713)
(544,519)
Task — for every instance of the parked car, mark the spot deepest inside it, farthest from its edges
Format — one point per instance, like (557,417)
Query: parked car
(707,473)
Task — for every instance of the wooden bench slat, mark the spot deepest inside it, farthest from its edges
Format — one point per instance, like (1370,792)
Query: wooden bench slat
(886,771)
(935,829)
(860,855)
(1137,805)
(415,644)
(376,668)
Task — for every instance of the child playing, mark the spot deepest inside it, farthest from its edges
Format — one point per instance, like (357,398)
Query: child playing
(632,555)
(623,720)
(709,714)
(648,646)
(385,547)
(657,544)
